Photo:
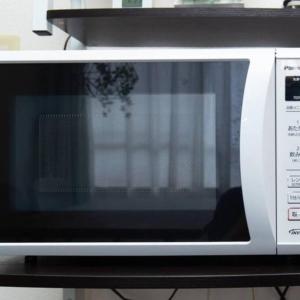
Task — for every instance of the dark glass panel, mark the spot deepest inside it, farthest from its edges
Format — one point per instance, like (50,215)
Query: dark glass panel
(122,152)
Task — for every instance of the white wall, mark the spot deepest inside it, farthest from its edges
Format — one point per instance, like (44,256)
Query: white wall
(193,294)
(27,293)
(264,3)
(15,19)
(30,294)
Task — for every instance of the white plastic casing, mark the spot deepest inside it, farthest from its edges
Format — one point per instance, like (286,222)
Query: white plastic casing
(288,154)
(257,152)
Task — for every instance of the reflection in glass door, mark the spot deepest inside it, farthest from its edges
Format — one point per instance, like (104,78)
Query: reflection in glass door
(125,151)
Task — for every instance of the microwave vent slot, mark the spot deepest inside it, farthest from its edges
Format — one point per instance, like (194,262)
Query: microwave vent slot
(61,153)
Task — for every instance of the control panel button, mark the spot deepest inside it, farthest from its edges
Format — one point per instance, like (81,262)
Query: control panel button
(294,214)
(293,198)
(292,108)
(293,181)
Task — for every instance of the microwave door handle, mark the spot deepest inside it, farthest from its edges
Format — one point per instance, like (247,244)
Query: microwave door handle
(258,152)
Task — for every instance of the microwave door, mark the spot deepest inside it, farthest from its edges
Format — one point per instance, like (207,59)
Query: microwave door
(132,157)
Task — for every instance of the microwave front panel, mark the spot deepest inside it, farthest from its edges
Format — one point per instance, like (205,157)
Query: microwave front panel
(288,156)
(122,152)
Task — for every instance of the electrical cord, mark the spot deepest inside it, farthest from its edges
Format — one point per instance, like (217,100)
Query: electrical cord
(173,294)
(66,42)
(115,291)
(281,293)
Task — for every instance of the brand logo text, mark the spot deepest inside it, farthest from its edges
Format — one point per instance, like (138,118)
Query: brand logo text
(294,232)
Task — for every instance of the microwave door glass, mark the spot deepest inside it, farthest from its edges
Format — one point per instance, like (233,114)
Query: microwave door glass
(122,152)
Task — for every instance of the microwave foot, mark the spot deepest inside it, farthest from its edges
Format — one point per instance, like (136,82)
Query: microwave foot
(30,260)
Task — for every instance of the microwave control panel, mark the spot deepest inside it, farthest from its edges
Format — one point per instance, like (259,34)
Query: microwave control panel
(288,150)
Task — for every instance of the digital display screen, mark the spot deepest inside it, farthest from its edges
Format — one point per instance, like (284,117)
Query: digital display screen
(292,88)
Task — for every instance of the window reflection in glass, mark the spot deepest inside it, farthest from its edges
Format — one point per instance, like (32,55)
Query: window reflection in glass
(155,143)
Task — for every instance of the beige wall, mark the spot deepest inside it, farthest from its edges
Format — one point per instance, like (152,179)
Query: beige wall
(192,294)
(16,19)
(30,294)
(168,3)
(263,3)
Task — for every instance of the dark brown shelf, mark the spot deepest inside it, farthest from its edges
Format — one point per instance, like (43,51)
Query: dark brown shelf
(177,272)
(179,12)
(192,27)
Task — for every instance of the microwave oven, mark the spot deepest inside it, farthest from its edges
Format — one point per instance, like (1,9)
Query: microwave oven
(150,151)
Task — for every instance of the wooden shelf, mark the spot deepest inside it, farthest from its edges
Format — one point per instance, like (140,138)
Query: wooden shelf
(182,27)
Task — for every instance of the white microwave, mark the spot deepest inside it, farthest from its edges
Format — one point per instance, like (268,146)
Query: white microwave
(147,152)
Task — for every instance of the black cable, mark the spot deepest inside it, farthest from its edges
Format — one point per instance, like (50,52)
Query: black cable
(115,291)
(66,42)
(282,293)
(119,294)
(173,294)
(286,3)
